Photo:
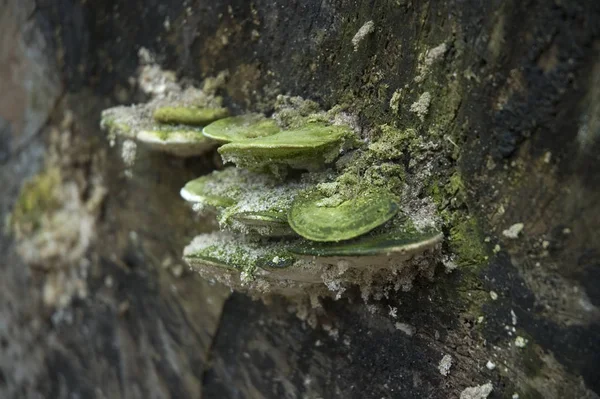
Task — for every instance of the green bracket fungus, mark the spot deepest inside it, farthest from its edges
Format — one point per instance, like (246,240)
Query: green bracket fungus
(319,230)
(236,128)
(183,141)
(224,250)
(310,147)
(135,123)
(189,115)
(403,243)
(208,191)
(315,219)
(171,123)
(285,266)
(245,201)
(316,232)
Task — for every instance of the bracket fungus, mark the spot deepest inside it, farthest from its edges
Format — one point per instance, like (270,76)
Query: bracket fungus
(172,124)
(310,147)
(236,128)
(291,219)
(195,116)
(316,230)
(244,200)
(314,219)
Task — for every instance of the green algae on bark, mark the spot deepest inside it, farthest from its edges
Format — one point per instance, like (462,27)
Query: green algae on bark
(243,127)
(37,197)
(465,240)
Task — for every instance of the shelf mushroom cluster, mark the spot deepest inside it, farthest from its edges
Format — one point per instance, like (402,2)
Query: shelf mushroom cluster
(287,217)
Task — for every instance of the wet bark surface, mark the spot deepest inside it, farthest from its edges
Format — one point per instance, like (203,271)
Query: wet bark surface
(128,320)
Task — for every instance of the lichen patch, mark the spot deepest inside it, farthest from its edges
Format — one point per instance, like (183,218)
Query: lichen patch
(421,106)
(362,33)
(445,365)
(513,231)
(54,220)
(477,392)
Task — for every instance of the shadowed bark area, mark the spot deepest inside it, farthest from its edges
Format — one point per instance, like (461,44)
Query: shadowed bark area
(104,308)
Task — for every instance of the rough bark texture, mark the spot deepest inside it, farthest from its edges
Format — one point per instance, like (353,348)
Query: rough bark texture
(519,89)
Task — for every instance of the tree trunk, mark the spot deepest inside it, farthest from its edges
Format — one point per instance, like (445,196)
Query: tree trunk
(94,298)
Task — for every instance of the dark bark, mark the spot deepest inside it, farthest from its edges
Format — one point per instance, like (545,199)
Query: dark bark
(528,132)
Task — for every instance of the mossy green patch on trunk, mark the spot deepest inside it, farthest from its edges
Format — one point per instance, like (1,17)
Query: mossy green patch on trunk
(37,197)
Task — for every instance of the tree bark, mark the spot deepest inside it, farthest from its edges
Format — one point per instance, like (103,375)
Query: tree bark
(112,313)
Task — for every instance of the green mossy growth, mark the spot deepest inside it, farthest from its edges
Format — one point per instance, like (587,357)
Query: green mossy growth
(319,217)
(466,242)
(295,112)
(392,143)
(310,148)
(188,115)
(116,125)
(241,127)
(455,185)
(37,198)
(465,238)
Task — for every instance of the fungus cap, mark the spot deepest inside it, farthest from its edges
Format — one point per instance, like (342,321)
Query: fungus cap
(309,147)
(243,127)
(350,218)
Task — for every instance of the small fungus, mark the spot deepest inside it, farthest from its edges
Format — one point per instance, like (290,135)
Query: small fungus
(207,191)
(177,140)
(393,244)
(135,123)
(171,123)
(244,200)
